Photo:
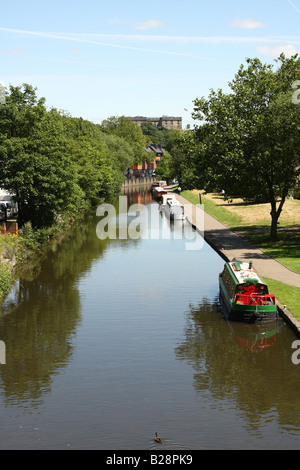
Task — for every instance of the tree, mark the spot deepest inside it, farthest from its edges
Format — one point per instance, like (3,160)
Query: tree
(23,112)
(130,132)
(156,135)
(40,172)
(34,159)
(53,163)
(250,138)
(184,155)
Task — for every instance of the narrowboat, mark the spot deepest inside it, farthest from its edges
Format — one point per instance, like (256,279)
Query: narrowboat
(174,209)
(165,198)
(158,192)
(154,185)
(244,296)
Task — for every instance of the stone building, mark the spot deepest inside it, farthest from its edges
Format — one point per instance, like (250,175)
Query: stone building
(170,122)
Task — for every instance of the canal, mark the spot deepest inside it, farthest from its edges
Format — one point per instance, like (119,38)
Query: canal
(109,341)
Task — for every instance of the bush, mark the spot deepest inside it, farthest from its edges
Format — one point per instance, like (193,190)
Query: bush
(5,280)
(296,192)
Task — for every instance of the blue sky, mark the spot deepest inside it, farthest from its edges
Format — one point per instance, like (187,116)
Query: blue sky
(97,59)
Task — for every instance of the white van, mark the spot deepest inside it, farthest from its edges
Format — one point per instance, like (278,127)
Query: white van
(6,200)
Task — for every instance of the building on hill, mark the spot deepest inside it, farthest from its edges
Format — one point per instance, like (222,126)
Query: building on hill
(170,122)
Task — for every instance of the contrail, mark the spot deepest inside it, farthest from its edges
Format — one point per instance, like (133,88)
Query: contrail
(294,6)
(99,43)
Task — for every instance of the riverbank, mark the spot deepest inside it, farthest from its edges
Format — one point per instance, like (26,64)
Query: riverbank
(230,244)
(21,254)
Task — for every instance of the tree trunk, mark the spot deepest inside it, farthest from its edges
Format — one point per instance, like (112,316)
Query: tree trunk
(275,214)
(273,232)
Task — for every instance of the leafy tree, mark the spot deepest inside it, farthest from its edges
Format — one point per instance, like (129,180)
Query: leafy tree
(184,155)
(56,164)
(41,174)
(156,135)
(249,143)
(23,112)
(128,130)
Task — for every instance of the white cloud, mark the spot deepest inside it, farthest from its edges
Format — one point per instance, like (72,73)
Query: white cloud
(246,23)
(287,49)
(149,24)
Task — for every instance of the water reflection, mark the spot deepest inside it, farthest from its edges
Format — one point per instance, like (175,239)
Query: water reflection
(90,338)
(221,354)
(41,315)
(255,337)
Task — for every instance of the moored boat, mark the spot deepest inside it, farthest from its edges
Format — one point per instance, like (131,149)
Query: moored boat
(167,197)
(154,185)
(158,192)
(174,209)
(244,296)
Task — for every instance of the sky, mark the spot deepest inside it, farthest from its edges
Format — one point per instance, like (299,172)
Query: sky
(95,59)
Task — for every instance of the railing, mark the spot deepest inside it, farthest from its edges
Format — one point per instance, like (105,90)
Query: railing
(255,299)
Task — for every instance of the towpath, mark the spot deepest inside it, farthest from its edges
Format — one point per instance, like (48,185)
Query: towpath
(231,245)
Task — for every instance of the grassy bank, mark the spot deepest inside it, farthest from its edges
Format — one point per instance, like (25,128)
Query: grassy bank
(253,222)
(22,253)
(287,295)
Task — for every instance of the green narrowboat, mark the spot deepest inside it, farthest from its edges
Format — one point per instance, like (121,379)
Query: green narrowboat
(244,296)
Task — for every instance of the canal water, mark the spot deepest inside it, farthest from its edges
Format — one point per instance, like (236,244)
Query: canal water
(109,341)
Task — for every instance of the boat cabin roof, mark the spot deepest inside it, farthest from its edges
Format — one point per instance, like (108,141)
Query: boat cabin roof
(167,197)
(242,272)
(173,202)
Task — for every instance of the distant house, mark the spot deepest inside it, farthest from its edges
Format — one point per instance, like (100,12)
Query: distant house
(170,122)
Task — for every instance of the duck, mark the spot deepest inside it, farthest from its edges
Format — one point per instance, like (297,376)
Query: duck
(158,439)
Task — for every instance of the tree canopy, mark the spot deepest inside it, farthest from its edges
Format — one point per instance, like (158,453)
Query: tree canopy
(249,140)
(56,164)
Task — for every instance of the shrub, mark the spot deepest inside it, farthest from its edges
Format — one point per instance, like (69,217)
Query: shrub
(5,279)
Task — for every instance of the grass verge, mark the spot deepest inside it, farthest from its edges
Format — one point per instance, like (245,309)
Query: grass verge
(287,295)
(218,212)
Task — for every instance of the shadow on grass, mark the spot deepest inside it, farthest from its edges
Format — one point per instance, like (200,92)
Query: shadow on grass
(251,228)
(286,246)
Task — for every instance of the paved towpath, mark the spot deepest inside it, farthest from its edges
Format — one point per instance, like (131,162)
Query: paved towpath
(231,245)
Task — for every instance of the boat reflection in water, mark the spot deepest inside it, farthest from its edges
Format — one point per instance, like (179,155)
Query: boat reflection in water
(255,337)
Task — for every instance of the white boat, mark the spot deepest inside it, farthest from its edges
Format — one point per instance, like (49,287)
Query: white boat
(174,209)
(167,197)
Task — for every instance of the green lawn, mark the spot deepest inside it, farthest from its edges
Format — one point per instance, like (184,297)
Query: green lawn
(287,295)
(220,213)
(286,249)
